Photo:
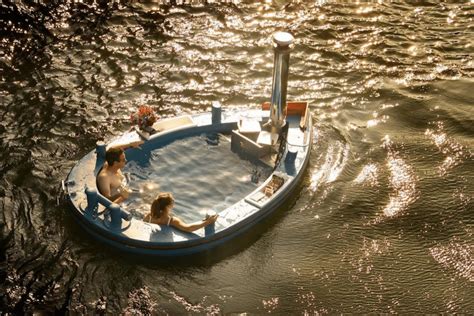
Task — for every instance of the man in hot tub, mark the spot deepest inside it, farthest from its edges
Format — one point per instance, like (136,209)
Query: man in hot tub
(110,180)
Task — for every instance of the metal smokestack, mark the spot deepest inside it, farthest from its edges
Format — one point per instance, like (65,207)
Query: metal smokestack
(283,44)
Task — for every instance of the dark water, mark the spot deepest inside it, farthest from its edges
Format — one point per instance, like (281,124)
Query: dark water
(383,221)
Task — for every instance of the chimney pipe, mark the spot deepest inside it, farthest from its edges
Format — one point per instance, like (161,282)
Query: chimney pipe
(283,44)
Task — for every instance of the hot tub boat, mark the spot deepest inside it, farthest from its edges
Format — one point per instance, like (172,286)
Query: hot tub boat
(277,135)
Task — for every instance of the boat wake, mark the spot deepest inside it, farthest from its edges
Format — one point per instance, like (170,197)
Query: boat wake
(402,181)
(330,161)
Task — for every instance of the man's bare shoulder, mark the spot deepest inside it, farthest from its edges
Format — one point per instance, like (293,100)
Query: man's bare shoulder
(103,175)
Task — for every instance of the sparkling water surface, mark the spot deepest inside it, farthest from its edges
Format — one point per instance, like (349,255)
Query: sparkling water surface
(383,220)
(190,168)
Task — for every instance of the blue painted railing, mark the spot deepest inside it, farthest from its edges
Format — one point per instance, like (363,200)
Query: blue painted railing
(117,213)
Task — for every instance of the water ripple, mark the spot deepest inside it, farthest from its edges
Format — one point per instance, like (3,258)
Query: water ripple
(368,175)
(456,256)
(402,181)
(72,72)
(454,152)
(201,307)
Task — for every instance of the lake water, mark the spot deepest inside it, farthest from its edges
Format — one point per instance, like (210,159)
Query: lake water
(383,221)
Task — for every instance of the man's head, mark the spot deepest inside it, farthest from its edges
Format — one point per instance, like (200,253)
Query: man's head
(114,155)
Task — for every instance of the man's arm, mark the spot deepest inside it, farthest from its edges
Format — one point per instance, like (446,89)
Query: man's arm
(103,184)
(124,146)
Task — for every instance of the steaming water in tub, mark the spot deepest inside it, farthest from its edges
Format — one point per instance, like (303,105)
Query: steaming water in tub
(200,176)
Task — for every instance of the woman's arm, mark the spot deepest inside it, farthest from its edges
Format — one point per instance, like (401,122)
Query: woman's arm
(178,223)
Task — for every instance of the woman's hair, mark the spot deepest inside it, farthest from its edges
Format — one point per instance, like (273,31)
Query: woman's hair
(162,201)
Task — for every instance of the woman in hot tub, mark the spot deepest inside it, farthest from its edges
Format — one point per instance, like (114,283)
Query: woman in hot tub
(160,213)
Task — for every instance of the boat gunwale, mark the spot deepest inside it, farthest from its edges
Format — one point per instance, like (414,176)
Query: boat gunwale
(228,232)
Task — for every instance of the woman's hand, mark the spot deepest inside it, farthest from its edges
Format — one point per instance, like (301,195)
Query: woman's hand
(211,219)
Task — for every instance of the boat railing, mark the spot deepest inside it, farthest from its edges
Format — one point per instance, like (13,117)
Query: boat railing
(299,145)
(116,213)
